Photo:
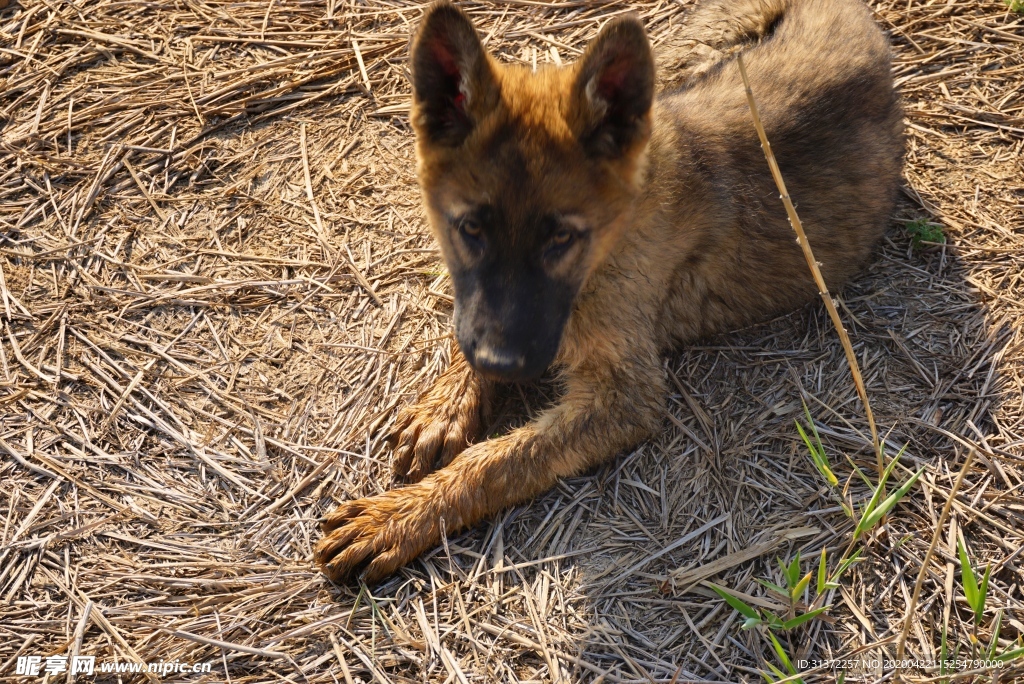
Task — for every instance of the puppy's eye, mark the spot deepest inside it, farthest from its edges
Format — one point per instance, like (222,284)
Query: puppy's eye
(562,238)
(470,227)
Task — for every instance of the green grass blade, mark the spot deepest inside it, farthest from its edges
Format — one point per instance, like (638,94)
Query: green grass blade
(739,605)
(807,440)
(1011,655)
(801,619)
(862,524)
(997,625)
(822,573)
(793,572)
(878,512)
(832,480)
(781,591)
(810,447)
(801,586)
(967,578)
(860,473)
(814,429)
(818,456)
(943,649)
(888,471)
(781,652)
(844,566)
(982,595)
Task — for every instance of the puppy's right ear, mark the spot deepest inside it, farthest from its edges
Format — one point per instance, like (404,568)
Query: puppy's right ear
(453,84)
(614,89)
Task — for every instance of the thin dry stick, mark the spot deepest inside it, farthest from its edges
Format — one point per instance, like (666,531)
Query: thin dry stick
(191,97)
(801,238)
(3,292)
(901,645)
(362,66)
(152,202)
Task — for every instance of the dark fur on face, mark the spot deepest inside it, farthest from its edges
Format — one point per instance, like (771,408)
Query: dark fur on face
(527,178)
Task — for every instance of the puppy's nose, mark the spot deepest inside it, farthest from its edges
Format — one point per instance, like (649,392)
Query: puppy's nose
(498,364)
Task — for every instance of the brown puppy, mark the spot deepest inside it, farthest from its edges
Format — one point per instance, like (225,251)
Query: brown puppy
(590,226)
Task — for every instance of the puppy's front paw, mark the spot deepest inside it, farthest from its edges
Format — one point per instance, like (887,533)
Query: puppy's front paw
(379,533)
(432,432)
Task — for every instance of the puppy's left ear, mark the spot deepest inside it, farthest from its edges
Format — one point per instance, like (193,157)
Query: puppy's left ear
(613,90)
(453,85)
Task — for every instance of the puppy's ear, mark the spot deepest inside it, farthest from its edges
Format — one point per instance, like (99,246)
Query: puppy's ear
(453,84)
(613,90)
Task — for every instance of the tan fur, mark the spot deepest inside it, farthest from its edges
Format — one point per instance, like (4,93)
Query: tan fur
(687,238)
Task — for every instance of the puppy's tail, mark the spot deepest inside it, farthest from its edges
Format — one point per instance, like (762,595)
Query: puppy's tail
(712,31)
(725,24)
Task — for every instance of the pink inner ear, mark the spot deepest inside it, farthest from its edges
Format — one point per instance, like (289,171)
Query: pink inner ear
(444,57)
(613,77)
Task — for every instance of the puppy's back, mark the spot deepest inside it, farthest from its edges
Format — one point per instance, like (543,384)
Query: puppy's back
(821,73)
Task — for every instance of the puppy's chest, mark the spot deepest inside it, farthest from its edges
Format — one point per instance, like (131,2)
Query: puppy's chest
(622,307)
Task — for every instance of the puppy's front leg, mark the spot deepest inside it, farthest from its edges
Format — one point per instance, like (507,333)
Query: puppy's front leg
(607,407)
(442,422)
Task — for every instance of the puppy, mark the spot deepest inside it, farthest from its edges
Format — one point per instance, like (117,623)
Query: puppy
(589,226)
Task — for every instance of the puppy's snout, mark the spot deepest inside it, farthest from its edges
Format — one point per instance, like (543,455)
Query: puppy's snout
(497,363)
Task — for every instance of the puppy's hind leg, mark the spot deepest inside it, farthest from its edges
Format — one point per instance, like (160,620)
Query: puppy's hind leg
(443,421)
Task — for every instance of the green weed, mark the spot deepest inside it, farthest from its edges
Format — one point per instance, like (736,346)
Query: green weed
(799,585)
(816,450)
(974,592)
(796,586)
(874,511)
(784,659)
(925,232)
(879,505)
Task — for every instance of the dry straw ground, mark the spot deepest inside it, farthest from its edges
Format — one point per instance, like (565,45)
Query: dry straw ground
(216,287)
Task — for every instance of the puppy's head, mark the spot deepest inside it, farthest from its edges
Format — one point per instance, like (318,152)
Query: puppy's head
(528,178)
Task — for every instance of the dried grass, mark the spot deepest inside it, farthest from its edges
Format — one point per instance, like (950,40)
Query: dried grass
(216,286)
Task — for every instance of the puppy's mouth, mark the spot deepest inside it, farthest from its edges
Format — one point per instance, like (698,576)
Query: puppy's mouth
(498,364)
(502,364)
